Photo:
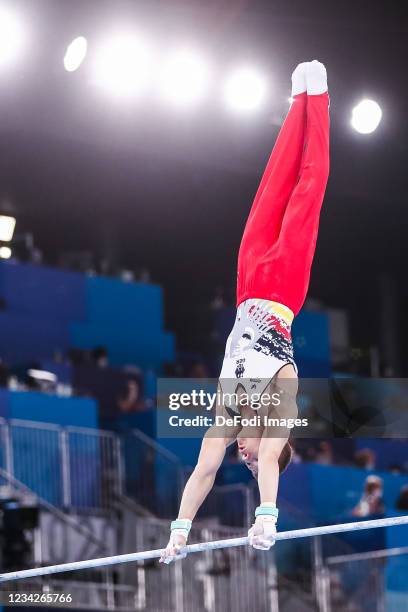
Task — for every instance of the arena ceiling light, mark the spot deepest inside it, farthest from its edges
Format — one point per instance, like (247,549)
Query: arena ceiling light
(366,116)
(75,54)
(5,252)
(11,35)
(185,78)
(123,65)
(245,90)
(7,226)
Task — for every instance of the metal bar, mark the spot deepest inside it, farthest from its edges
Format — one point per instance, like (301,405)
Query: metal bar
(368,556)
(203,546)
(157,447)
(34,424)
(91,431)
(321,591)
(119,467)
(8,448)
(65,468)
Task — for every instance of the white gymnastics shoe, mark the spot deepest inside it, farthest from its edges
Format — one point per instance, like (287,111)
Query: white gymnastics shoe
(299,79)
(316,78)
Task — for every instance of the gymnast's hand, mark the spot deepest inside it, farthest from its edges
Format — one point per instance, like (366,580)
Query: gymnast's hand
(263,532)
(178,539)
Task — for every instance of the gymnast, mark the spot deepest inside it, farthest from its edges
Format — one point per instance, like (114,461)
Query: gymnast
(274,263)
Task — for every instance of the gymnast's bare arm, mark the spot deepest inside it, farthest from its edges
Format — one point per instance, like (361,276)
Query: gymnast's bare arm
(273,439)
(201,481)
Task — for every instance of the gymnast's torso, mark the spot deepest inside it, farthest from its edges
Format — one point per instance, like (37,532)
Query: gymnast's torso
(258,346)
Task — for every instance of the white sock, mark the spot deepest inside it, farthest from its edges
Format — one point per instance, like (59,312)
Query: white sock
(299,79)
(316,78)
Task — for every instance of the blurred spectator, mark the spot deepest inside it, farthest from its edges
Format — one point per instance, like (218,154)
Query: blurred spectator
(296,457)
(38,379)
(36,256)
(143,275)
(4,374)
(77,356)
(365,459)
(100,357)
(127,276)
(218,300)
(324,454)
(199,370)
(131,401)
(59,357)
(109,386)
(309,453)
(371,501)
(402,501)
(396,469)
(173,370)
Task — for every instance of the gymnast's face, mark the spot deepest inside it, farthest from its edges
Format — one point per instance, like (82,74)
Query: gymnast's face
(248,449)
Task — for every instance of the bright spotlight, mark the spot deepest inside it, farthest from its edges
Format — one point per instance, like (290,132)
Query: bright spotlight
(366,116)
(75,54)
(185,78)
(11,36)
(7,225)
(5,252)
(123,65)
(245,90)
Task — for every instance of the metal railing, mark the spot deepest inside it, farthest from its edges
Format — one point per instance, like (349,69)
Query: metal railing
(155,477)
(84,469)
(68,521)
(93,468)
(70,529)
(89,470)
(70,467)
(372,581)
(230,579)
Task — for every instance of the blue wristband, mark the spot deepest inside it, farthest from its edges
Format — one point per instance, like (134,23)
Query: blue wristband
(181,524)
(267,511)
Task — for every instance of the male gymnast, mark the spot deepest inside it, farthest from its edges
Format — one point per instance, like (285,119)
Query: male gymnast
(274,264)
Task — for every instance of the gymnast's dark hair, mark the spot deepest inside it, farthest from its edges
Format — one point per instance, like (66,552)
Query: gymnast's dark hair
(285,457)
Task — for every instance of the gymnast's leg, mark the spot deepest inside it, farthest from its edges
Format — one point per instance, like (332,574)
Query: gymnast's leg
(290,259)
(279,179)
(264,228)
(287,268)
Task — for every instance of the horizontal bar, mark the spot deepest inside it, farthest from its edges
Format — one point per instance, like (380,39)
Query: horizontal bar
(203,546)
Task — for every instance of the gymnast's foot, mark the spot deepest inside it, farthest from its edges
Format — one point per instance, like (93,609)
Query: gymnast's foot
(299,79)
(316,78)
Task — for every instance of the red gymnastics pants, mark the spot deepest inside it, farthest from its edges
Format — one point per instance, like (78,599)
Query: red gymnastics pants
(279,241)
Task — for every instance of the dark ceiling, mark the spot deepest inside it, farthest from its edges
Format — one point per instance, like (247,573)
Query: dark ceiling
(171,190)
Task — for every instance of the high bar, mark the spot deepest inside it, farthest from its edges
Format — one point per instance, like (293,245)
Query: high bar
(203,546)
